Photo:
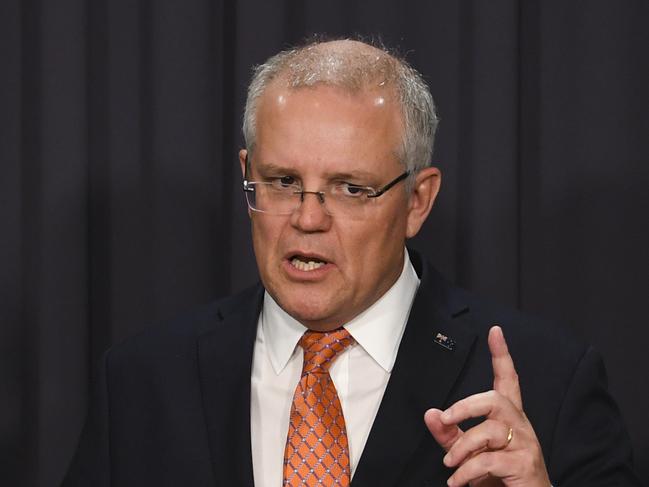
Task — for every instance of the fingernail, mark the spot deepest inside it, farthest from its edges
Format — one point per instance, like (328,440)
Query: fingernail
(447,459)
(446,415)
(450,482)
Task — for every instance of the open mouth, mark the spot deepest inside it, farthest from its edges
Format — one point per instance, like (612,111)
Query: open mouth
(306,263)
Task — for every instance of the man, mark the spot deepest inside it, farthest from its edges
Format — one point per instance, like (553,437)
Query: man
(355,361)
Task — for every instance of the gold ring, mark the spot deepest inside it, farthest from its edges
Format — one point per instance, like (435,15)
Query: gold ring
(510,435)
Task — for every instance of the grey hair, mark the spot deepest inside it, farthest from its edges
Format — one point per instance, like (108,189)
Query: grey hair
(353,65)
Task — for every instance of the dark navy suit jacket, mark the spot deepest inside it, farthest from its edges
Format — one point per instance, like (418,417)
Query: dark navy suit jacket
(172,405)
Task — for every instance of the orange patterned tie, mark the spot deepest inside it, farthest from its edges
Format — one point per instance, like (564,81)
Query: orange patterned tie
(317,452)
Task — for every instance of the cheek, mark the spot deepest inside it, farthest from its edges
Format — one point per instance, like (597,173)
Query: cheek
(384,240)
(268,235)
(363,248)
(263,238)
(352,241)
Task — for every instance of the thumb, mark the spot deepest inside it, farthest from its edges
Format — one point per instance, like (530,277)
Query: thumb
(445,434)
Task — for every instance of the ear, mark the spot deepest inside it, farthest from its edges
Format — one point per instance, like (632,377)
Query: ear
(242,160)
(424,192)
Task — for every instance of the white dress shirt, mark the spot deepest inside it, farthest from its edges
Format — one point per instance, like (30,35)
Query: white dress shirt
(360,373)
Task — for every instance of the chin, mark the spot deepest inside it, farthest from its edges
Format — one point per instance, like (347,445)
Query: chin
(311,313)
(305,312)
(309,303)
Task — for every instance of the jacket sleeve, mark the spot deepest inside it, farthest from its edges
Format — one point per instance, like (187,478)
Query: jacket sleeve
(91,464)
(590,444)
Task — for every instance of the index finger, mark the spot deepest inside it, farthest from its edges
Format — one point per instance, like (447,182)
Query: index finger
(445,434)
(505,376)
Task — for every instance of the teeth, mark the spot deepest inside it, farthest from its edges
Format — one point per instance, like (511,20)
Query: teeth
(306,266)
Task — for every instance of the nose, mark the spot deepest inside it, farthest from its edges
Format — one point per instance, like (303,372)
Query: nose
(311,215)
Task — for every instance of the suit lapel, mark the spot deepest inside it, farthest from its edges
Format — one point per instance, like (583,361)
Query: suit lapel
(423,376)
(225,361)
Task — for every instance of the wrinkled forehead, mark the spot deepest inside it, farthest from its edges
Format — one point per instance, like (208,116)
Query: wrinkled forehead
(370,105)
(375,94)
(328,128)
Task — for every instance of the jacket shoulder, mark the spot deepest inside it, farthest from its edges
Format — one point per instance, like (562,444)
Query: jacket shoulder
(524,332)
(178,336)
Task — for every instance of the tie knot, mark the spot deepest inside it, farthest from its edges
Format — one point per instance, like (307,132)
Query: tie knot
(322,348)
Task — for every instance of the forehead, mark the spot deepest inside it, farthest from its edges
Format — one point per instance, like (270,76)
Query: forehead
(328,128)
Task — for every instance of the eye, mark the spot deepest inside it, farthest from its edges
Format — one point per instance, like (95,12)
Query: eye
(350,190)
(283,182)
(286,180)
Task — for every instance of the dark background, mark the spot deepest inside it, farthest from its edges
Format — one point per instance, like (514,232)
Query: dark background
(120,201)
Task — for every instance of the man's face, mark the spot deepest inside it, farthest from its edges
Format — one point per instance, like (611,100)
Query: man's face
(320,135)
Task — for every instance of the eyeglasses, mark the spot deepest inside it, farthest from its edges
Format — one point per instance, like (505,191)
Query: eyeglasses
(282,196)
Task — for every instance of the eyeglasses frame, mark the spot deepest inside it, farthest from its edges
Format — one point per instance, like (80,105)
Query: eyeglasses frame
(321,194)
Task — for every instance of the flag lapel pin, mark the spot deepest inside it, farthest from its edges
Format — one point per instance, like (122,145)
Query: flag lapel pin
(445,341)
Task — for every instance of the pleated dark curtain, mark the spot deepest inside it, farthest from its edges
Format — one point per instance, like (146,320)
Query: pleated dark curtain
(119,186)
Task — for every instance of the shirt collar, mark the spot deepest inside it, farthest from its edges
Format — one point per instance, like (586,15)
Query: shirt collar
(378,329)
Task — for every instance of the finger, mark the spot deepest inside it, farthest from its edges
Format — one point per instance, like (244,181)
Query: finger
(445,435)
(510,467)
(490,404)
(482,465)
(488,435)
(505,376)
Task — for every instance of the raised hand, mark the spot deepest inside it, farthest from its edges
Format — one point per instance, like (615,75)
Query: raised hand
(503,449)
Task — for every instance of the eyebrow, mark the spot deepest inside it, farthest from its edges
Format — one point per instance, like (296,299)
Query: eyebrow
(270,167)
(363,175)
